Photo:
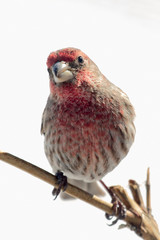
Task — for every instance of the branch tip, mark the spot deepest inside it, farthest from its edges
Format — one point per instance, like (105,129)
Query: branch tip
(136,215)
(148,192)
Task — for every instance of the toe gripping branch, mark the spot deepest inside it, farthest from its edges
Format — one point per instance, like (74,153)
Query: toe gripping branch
(62,184)
(119,209)
(144,224)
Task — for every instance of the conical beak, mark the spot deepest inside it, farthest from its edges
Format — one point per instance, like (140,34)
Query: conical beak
(61,72)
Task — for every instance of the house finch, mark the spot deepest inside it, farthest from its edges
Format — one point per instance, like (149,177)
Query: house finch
(87,122)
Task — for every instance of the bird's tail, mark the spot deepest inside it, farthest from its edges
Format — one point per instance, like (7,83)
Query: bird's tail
(92,188)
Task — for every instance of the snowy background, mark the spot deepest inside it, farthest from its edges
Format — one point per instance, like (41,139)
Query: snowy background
(123,39)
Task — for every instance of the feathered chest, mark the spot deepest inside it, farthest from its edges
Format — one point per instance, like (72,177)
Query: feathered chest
(85,113)
(92,130)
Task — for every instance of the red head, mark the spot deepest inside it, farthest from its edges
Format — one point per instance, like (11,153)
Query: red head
(66,55)
(65,64)
(71,70)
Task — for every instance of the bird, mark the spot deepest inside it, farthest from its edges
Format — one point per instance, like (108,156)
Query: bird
(87,123)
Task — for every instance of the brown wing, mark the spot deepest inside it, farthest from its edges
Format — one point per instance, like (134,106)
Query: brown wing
(47,114)
(42,123)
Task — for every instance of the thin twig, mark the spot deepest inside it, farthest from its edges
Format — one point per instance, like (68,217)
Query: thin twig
(127,200)
(142,221)
(148,192)
(71,190)
(136,193)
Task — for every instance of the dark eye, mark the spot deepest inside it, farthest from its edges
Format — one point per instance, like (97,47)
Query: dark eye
(80,59)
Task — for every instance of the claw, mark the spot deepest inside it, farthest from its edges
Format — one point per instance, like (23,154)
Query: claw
(109,217)
(62,184)
(118,207)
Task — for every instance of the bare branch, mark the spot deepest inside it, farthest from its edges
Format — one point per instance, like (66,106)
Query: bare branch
(51,179)
(137,196)
(148,192)
(137,215)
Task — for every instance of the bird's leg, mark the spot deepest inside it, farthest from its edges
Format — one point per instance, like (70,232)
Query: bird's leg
(118,207)
(62,184)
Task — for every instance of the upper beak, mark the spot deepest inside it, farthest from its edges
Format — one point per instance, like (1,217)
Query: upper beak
(61,72)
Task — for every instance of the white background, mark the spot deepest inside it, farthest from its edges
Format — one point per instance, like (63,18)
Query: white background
(123,39)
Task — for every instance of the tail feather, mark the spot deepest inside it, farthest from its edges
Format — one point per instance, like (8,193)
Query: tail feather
(92,188)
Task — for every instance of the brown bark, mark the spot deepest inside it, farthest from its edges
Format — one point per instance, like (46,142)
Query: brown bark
(138,217)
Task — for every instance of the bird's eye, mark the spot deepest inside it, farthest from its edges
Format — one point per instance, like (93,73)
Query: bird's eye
(80,59)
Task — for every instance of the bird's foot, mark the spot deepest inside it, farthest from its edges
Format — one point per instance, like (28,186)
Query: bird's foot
(62,184)
(119,209)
